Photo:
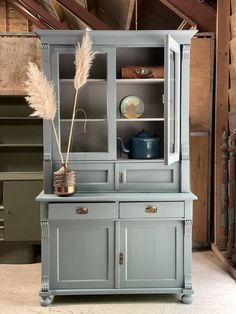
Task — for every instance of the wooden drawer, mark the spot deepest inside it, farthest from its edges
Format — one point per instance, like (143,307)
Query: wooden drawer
(152,210)
(82,211)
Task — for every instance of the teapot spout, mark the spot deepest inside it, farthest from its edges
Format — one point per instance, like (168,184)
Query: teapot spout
(122,146)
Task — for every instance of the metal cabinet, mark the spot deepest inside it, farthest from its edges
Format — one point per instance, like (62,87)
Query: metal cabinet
(128,227)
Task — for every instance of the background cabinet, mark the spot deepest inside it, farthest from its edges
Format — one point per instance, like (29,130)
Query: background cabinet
(128,229)
(21,153)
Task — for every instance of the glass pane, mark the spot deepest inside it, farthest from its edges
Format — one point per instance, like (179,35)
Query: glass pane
(92,98)
(172,103)
(88,136)
(90,132)
(67,66)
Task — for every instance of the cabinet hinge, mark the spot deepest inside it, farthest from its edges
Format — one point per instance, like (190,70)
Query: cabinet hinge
(45,51)
(1,229)
(186,52)
(188,282)
(188,228)
(163,98)
(44,229)
(45,284)
(184,152)
(47,157)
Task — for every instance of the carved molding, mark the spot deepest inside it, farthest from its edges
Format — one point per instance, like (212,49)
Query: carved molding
(185,152)
(188,228)
(44,229)
(188,282)
(45,284)
(47,157)
(45,50)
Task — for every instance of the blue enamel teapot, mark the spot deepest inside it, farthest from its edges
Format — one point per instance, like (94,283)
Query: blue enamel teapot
(141,146)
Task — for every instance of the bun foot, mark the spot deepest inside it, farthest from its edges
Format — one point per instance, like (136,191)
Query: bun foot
(187,299)
(45,301)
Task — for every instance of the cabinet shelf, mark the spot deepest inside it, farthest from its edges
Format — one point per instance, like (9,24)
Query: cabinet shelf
(7,176)
(84,120)
(140,81)
(90,81)
(21,145)
(140,120)
(21,118)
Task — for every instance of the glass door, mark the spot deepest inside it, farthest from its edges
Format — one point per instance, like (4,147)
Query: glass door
(93,136)
(172,100)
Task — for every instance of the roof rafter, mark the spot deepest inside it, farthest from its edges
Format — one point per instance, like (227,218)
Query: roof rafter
(130,13)
(199,12)
(179,13)
(37,14)
(84,15)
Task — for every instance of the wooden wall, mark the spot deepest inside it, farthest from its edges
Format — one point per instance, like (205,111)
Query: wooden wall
(200,128)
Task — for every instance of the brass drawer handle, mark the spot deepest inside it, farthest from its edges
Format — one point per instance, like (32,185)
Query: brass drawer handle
(151,209)
(81,211)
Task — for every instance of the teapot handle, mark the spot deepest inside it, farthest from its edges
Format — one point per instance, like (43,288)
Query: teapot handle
(122,146)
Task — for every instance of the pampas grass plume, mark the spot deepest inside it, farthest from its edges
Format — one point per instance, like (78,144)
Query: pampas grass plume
(83,60)
(41,96)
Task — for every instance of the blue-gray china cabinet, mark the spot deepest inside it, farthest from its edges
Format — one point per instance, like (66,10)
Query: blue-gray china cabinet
(127,230)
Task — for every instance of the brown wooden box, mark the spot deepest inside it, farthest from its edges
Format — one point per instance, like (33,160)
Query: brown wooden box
(130,72)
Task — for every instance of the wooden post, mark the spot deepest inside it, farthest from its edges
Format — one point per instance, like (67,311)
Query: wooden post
(232,195)
(221,105)
(224,197)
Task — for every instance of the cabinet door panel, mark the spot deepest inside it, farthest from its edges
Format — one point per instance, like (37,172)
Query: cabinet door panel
(148,176)
(21,211)
(82,254)
(153,254)
(93,177)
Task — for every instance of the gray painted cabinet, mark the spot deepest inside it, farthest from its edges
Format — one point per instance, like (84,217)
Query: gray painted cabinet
(128,228)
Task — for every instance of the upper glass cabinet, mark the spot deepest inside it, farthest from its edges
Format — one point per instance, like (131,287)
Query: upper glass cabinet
(93,133)
(131,89)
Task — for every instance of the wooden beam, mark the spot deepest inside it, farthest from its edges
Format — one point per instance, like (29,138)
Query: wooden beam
(20,8)
(224,260)
(179,13)
(84,15)
(130,14)
(203,15)
(221,106)
(43,13)
(59,12)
